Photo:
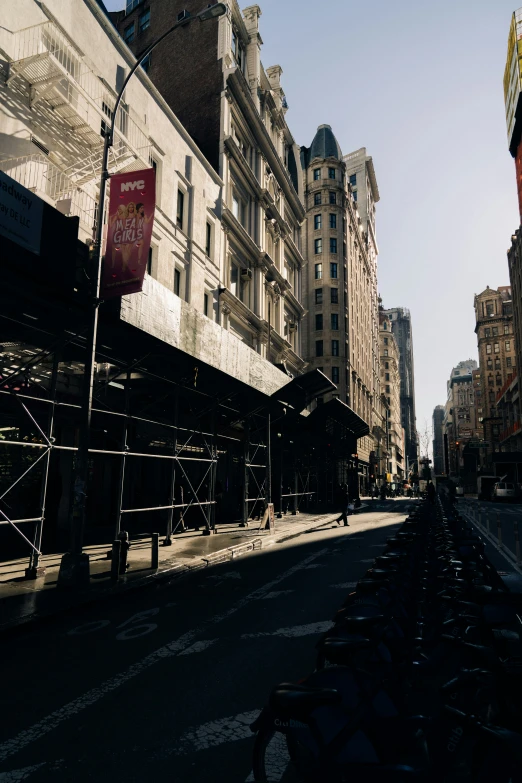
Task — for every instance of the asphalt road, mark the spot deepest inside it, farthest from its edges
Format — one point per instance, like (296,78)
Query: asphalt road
(509,515)
(162,684)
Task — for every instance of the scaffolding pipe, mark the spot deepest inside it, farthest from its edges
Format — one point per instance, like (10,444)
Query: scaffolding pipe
(18,531)
(121,482)
(170,517)
(163,508)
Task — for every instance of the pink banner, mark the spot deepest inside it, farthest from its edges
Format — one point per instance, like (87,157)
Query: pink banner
(129,231)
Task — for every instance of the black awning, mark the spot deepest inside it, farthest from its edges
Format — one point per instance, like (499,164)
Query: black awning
(340,412)
(302,390)
(509,457)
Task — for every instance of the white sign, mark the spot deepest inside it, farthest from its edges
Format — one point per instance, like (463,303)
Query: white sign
(20,214)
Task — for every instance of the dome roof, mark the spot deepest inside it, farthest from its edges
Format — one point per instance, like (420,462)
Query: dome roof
(325,145)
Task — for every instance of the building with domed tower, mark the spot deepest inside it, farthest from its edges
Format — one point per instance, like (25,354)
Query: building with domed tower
(341,329)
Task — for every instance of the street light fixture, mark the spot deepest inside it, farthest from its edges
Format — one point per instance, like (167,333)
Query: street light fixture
(74,567)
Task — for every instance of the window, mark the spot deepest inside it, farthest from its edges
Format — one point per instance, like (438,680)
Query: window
(318,347)
(318,222)
(318,295)
(317,174)
(128,33)
(494,331)
(487,332)
(506,329)
(490,380)
(333,197)
(333,270)
(354,194)
(334,295)
(333,245)
(208,241)
(386,365)
(335,321)
(386,352)
(177,282)
(205,304)
(318,271)
(490,308)
(318,322)
(145,64)
(496,347)
(489,364)
(317,198)
(508,345)
(385,341)
(145,20)
(497,363)
(335,347)
(492,396)
(488,348)
(498,379)
(318,247)
(353,180)
(331,173)
(180,209)
(333,220)
(108,112)
(508,361)
(335,374)
(387,376)
(387,390)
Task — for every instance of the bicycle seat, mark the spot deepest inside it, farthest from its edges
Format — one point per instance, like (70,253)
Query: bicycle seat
(339,650)
(298,701)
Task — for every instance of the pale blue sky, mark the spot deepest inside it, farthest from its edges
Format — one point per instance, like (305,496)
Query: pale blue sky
(419,84)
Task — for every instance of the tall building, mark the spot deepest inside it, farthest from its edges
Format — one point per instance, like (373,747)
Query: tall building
(340,287)
(459,415)
(497,359)
(402,329)
(513,97)
(234,109)
(438,440)
(391,390)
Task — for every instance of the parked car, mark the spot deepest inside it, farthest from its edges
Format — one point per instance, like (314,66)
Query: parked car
(505,490)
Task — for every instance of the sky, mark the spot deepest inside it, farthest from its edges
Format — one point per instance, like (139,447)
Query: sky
(419,84)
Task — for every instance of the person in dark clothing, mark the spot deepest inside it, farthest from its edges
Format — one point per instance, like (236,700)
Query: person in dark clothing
(343,500)
(431,493)
(124,550)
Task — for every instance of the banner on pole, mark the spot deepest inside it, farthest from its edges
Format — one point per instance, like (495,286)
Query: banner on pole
(129,231)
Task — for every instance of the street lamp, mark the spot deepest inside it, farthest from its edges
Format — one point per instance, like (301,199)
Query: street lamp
(74,568)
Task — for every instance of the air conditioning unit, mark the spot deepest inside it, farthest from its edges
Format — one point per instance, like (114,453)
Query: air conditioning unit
(292,326)
(246,274)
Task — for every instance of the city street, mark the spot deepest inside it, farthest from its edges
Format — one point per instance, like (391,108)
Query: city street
(490,514)
(163,684)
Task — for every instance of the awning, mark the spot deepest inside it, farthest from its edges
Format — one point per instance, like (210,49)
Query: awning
(302,390)
(342,413)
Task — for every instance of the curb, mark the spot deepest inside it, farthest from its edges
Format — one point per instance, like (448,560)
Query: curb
(161,576)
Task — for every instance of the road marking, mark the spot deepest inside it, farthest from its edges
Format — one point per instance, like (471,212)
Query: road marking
(95,625)
(198,646)
(345,585)
(216,732)
(296,630)
(276,594)
(136,632)
(54,719)
(20,774)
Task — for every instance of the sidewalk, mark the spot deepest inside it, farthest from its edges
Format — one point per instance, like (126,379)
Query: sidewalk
(25,601)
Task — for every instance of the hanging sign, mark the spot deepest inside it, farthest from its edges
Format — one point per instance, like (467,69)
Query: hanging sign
(20,214)
(129,231)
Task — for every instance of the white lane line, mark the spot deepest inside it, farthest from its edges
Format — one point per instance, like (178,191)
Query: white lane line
(296,630)
(345,585)
(216,732)
(276,594)
(20,774)
(51,721)
(198,646)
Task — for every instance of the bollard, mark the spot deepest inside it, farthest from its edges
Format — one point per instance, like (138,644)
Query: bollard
(115,560)
(499,529)
(154,554)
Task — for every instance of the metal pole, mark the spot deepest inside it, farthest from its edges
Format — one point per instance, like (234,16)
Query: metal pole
(246,463)
(213,470)
(124,448)
(35,569)
(154,554)
(170,517)
(268,459)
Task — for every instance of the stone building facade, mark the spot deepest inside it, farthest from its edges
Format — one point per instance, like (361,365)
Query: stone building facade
(459,415)
(402,330)
(340,288)
(234,109)
(391,390)
(438,440)
(497,359)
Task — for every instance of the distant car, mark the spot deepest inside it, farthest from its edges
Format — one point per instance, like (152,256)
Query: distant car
(504,490)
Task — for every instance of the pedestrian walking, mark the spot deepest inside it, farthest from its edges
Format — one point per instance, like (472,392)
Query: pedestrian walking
(343,500)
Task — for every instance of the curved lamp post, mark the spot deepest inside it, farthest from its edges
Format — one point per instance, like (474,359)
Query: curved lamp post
(74,568)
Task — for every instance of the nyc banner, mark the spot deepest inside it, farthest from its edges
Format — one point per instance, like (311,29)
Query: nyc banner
(129,231)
